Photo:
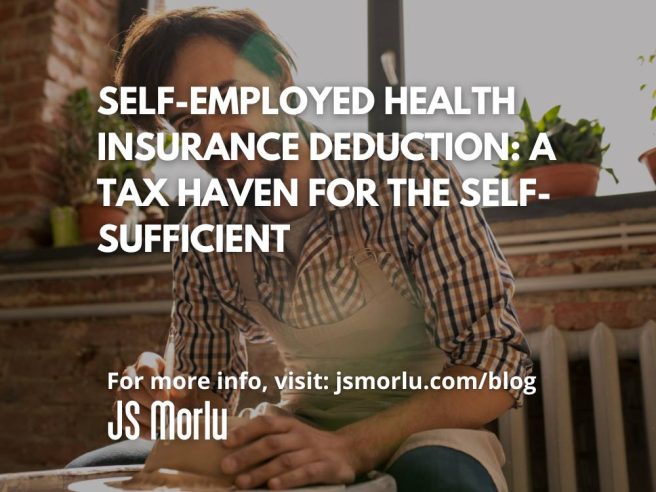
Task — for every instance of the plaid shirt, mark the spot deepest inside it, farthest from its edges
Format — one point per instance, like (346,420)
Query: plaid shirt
(443,259)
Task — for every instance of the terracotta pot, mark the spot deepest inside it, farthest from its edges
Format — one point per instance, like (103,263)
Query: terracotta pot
(93,216)
(649,159)
(560,180)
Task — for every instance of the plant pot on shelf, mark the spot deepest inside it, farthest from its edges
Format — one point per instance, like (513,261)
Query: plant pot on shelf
(560,180)
(93,216)
(64,226)
(649,159)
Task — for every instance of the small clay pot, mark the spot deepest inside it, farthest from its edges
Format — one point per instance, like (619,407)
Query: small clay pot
(93,216)
(560,180)
(649,159)
(64,226)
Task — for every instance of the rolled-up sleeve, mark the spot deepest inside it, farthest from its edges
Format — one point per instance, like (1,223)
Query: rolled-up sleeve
(465,283)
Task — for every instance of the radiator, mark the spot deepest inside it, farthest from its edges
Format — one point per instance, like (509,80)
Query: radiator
(603,348)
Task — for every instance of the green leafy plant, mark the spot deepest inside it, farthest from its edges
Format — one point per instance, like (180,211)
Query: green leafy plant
(77,143)
(650,59)
(579,143)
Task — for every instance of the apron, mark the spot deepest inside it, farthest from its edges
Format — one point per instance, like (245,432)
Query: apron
(384,338)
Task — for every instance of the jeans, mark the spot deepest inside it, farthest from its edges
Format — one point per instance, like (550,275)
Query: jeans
(426,468)
(438,468)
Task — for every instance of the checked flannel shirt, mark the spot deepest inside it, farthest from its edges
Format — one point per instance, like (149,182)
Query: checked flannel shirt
(444,259)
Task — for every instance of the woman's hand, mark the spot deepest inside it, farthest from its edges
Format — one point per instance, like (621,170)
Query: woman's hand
(283,452)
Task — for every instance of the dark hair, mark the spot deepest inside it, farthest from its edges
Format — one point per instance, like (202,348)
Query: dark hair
(152,42)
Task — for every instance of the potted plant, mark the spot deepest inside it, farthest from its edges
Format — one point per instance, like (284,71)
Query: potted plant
(78,153)
(578,150)
(649,157)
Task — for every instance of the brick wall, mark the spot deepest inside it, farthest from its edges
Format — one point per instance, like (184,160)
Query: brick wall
(54,404)
(583,309)
(53,372)
(47,49)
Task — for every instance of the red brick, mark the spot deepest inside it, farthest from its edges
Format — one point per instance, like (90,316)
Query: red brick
(616,314)
(86,290)
(33,161)
(51,115)
(67,53)
(58,70)
(95,9)
(551,269)
(67,390)
(8,73)
(531,318)
(26,134)
(5,116)
(68,9)
(16,161)
(24,91)
(47,163)
(37,335)
(69,364)
(16,49)
(7,12)
(31,7)
(31,70)
(40,24)
(54,91)
(18,208)
(110,5)
(24,184)
(13,235)
(68,33)
(100,31)
(26,113)
(73,68)
(15,30)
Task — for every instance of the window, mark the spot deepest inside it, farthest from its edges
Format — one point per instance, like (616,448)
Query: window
(581,55)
